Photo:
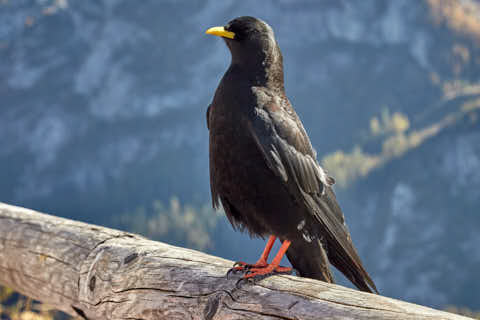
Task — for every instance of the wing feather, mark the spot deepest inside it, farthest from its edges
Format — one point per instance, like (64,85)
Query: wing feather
(280,136)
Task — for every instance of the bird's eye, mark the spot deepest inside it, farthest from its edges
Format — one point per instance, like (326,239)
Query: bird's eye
(240,33)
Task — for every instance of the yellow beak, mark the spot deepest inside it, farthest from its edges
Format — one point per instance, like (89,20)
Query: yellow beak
(221,32)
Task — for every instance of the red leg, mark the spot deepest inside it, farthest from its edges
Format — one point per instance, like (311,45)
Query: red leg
(273,267)
(268,247)
(262,261)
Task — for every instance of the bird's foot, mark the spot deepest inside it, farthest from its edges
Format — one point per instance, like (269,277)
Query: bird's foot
(243,267)
(255,274)
(270,269)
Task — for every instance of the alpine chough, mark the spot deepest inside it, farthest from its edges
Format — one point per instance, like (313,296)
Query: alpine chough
(264,170)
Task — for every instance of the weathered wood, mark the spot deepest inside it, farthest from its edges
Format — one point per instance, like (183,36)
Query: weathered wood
(100,273)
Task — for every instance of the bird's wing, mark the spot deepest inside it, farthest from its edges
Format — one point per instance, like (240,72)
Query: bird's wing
(208,116)
(213,189)
(281,138)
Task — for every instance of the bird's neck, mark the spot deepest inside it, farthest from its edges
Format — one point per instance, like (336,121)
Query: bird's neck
(264,70)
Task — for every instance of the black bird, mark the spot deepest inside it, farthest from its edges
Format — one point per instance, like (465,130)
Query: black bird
(263,168)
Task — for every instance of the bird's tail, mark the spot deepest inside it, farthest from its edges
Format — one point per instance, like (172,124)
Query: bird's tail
(340,249)
(310,260)
(353,270)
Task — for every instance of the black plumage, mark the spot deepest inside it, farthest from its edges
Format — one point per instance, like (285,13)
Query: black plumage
(263,168)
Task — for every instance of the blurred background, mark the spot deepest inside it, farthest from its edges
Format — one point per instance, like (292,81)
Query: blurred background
(102,119)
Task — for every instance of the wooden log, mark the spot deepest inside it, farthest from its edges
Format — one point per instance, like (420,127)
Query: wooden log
(100,273)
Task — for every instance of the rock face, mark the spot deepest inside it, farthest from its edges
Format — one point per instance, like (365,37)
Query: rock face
(103,109)
(422,224)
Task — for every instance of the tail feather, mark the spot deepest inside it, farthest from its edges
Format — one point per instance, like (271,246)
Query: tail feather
(354,272)
(329,225)
(340,249)
(310,260)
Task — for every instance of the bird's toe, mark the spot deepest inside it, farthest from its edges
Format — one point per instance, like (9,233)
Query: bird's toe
(266,271)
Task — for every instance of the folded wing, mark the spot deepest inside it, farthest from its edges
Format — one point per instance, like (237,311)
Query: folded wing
(281,138)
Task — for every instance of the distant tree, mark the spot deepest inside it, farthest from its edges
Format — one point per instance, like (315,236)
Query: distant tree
(183,225)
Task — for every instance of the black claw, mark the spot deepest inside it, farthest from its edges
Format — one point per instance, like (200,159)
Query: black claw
(239,282)
(239,264)
(245,266)
(233,270)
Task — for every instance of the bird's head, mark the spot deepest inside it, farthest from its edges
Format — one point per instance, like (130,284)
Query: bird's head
(251,41)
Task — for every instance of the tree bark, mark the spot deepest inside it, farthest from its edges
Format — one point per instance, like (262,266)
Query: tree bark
(100,273)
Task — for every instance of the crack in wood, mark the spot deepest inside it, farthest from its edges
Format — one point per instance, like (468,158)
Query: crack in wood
(91,283)
(258,313)
(191,260)
(46,255)
(336,301)
(110,301)
(293,305)
(130,258)
(143,289)
(39,228)
(80,312)
(212,306)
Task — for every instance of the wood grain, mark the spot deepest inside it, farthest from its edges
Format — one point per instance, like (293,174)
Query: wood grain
(100,273)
